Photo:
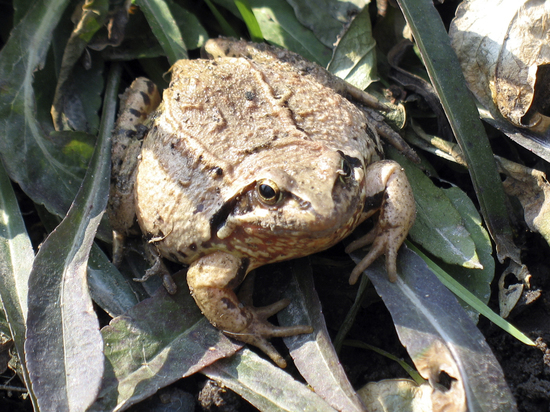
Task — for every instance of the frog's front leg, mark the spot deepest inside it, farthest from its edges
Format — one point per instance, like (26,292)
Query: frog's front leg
(211,280)
(389,192)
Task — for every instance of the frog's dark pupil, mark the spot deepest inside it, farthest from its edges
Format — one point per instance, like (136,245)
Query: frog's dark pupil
(267,192)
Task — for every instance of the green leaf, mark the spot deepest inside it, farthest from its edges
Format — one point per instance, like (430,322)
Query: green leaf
(67,107)
(313,353)
(46,179)
(444,70)
(281,27)
(227,30)
(439,336)
(439,228)
(63,344)
(354,58)
(164,28)
(109,289)
(250,20)
(264,385)
(473,301)
(88,87)
(326,18)
(159,341)
(16,257)
(139,41)
(21,7)
(112,291)
(477,281)
(193,33)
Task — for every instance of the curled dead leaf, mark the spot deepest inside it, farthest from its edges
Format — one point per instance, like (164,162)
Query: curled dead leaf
(532,189)
(436,365)
(504,51)
(396,395)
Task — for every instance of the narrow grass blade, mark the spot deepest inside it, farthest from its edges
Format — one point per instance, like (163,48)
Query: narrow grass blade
(464,294)
(250,20)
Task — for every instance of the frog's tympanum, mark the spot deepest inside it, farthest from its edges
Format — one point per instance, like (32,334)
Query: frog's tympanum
(248,160)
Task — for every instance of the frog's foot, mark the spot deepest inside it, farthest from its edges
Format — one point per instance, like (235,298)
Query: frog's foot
(385,241)
(211,280)
(259,330)
(388,184)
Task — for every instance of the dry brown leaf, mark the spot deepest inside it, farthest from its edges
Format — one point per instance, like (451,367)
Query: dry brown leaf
(392,395)
(532,189)
(503,46)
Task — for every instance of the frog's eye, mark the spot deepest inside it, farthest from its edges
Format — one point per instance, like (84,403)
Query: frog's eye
(347,164)
(268,191)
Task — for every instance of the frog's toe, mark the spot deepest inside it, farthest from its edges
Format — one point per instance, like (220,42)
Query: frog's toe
(262,344)
(259,330)
(265,312)
(385,241)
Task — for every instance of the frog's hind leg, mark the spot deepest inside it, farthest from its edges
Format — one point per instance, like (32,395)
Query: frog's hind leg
(388,184)
(137,102)
(212,279)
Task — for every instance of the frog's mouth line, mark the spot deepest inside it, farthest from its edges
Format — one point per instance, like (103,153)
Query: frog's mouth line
(219,219)
(316,227)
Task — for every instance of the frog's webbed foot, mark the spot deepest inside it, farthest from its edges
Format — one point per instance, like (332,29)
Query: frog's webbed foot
(211,280)
(259,330)
(388,184)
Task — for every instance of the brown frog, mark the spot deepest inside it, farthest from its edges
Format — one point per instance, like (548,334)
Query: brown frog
(250,160)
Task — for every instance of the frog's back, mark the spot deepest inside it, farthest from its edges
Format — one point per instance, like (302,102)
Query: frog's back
(238,107)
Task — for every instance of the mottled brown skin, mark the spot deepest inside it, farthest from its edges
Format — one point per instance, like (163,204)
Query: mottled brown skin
(248,162)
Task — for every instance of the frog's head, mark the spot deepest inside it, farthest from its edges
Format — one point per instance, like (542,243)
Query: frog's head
(307,195)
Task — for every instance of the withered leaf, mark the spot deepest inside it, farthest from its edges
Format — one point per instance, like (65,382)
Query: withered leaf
(503,49)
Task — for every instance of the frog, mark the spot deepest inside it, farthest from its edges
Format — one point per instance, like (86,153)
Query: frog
(254,155)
